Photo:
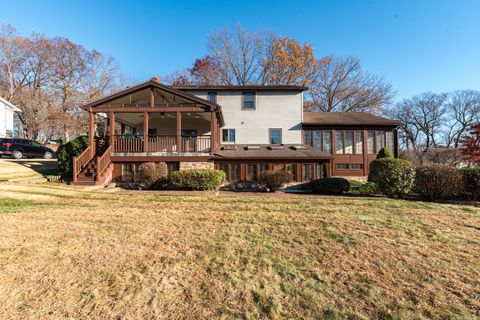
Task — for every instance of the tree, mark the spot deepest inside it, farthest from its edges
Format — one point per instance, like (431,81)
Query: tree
(471,142)
(342,85)
(290,63)
(205,71)
(240,54)
(422,118)
(463,108)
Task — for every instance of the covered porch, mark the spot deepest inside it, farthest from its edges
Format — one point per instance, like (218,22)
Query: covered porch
(147,121)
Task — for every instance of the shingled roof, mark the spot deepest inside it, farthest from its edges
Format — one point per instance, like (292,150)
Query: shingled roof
(346,119)
(268,152)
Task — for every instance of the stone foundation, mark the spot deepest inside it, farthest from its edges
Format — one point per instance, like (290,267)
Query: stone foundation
(196,165)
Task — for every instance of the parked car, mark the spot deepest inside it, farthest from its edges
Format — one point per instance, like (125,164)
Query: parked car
(18,148)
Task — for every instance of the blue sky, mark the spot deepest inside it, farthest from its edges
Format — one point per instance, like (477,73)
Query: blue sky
(416,45)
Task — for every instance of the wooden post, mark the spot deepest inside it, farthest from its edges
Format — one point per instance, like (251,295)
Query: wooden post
(334,152)
(152,98)
(91,133)
(212,131)
(111,132)
(145,131)
(179,131)
(365,155)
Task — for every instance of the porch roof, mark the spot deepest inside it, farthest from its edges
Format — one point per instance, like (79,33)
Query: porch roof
(269,152)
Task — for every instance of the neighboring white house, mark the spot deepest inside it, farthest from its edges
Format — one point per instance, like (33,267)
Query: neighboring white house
(7,111)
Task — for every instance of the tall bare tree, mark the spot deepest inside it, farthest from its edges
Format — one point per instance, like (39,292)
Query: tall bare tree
(240,53)
(342,85)
(463,108)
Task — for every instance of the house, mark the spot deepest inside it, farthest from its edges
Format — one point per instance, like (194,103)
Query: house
(242,130)
(7,111)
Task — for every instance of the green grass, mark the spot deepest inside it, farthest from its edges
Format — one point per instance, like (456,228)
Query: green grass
(69,253)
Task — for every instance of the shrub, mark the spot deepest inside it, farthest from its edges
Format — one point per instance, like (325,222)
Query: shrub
(471,182)
(363,188)
(438,181)
(151,173)
(247,186)
(330,185)
(198,179)
(384,153)
(393,177)
(275,180)
(66,152)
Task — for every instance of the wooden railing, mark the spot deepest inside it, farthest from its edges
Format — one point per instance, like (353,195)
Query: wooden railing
(128,144)
(81,161)
(162,143)
(196,143)
(102,162)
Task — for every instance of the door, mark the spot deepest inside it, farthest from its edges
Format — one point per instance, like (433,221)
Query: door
(189,139)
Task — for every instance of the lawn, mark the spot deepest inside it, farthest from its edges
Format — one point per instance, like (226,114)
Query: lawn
(70,253)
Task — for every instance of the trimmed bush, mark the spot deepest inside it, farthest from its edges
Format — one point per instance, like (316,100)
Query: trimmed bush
(275,180)
(384,153)
(152,173)
(66,152)
(438,181)
(393,177)
(365,188)
(330,185)
(198,179)
(471,183)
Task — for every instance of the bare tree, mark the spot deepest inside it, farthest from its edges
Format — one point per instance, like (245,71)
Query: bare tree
(463,108)
(240,54)
(342,85)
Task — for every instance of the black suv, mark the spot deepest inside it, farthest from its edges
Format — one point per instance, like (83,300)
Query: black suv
(17,148)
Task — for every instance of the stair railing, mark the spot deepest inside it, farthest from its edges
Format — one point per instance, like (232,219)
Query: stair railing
(103,162)
(81,161)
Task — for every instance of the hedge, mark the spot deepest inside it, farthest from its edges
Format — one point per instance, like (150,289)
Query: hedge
(471,183)
(198,179)
(330,185)
(152,173)
(275,180)
(393,177)
(66,152)
(438,181)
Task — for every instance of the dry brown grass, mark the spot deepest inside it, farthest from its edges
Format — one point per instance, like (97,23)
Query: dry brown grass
(67,253)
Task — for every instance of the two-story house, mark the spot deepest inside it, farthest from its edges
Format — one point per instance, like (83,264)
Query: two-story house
(7,113)
(242,130)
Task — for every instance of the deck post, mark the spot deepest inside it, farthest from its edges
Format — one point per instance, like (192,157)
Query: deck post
(145,131)
(91,133)
(179,131)
(212,131)
(111,131)
(365,152)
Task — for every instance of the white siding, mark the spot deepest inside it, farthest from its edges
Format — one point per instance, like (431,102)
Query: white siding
(273,110)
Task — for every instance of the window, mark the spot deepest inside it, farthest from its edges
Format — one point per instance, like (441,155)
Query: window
(339,142)
(307,171)
(317,139)
(356,166)
(390,142)
(327,146)
(307,137)
(348,142)
(234,172)
(379,140)
(371,142)
(224,168)
(263,167)
(212,97)
(342,166)
(275,136)
(251,171)
(228,135)
(292,169)
(358,142)
(248,101)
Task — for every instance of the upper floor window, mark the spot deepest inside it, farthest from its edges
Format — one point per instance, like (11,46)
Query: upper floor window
(318,139)
(248,101)
(212,97)
(228,135)
(379,139)
(348,142)
(275,136)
